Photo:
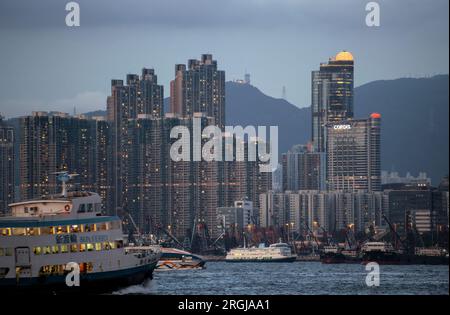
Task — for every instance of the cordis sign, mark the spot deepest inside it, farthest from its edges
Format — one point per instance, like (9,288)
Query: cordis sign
(342,127)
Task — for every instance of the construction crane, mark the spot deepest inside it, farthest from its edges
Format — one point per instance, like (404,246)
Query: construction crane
(391,227)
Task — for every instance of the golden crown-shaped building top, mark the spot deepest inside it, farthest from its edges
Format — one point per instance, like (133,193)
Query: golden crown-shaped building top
(344,56)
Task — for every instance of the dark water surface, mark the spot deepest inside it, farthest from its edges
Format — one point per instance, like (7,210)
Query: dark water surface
(295,278)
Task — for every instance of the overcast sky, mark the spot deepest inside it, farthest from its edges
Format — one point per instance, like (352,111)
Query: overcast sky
(45,65)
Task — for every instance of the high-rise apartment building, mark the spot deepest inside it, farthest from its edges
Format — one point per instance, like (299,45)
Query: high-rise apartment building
(199,88)
(53,142)
(304,169)
(7,161)
(331,96)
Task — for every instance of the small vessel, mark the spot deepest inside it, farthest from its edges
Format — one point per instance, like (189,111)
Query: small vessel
(333,254)
(384,253)
(176,259)
(45,240)
(279,252)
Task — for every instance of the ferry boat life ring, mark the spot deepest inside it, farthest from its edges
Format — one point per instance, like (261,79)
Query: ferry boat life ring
(67,208)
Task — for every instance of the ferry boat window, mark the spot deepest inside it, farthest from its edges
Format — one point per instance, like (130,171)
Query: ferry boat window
(45,230)
(82,208)
(102,227)
(73,248)
(37,250)
(106,246)
(46,250)
(18,231)
(25,209)
(64,248)
(2,252)
(90,247)
(119,244)
(55,249)
(82,247)
(74,229)
(32,231)
(61,229)
(98,246)
(34,210)
(112,245)
(8,251)
(98,207)
(90,207)
(6,232)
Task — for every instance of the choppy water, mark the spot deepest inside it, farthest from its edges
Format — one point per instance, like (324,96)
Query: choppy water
(295,278)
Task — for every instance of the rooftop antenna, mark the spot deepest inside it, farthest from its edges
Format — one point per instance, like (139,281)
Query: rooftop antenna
(64,177)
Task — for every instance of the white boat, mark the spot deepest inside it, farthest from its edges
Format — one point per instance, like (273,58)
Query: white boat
(42,239)
(176,259)
(279,252)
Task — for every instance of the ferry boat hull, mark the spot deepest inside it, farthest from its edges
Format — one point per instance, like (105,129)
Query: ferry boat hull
(94,283)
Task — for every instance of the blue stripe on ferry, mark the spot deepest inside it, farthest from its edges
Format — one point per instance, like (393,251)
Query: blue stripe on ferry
(45,223)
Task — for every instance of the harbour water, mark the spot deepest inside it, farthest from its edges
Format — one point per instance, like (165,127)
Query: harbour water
(295,278)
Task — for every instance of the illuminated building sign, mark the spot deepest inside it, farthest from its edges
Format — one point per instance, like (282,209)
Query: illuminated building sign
(342,127)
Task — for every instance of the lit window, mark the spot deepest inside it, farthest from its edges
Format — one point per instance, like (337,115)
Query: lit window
(64,248)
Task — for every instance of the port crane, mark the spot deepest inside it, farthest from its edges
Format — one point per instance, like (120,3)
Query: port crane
(396,235)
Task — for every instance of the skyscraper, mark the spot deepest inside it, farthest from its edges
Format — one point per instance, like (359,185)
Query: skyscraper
(53,142)
(139,96)
(331,95)
(6,166)
(199,88)
(303,169)
(353,154)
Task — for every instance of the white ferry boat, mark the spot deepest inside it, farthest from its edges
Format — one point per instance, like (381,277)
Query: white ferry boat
(279,252)
(41,237)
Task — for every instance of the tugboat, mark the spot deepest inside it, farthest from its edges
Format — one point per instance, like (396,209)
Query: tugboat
(46,240)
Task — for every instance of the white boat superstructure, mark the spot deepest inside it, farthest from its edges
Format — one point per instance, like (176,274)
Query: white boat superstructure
(279,252)
(377,247)
(42,236)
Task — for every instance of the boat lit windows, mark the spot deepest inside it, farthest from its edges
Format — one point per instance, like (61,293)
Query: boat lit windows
(46,250)
(106,246)
(55,249)
(46,230)
(112,245)
(90,247)
(18,231)
(64,249)
(37,250)
(32,231)
(98,246)
(82,247)
(6,231)
(75,229)
(73,248)
(102,227)
(86,267)
(61,229)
